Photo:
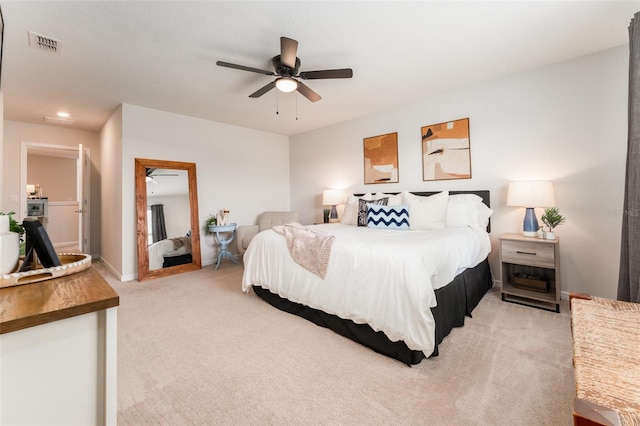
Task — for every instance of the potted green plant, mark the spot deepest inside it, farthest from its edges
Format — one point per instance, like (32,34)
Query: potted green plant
(14,226)
(552,218)
(211,220)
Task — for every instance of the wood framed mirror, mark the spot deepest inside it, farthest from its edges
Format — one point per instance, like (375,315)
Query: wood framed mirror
(167,218)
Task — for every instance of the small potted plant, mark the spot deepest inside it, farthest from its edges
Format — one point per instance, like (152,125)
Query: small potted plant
(211,221)
(552,218)
(11,245)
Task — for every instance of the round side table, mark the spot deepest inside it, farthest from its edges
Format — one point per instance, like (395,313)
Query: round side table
(224,242)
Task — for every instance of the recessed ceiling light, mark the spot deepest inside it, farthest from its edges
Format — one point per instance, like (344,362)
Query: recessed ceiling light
(63,114)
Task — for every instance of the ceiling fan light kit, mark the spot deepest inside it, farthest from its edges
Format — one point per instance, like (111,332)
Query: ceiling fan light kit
(286,84)
(286,66)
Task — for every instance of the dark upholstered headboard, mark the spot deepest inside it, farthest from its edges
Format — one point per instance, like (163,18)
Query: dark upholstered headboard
(484,194)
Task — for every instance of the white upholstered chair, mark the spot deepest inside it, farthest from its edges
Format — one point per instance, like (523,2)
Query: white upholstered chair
(245,233)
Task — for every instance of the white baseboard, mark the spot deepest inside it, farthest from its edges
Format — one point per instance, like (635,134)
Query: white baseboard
(66,244)
(121,278)
(213,261)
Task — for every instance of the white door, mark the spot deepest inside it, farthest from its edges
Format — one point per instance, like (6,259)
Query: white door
(83,185)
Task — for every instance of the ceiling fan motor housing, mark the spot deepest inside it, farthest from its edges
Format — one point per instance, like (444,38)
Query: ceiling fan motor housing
(283,70)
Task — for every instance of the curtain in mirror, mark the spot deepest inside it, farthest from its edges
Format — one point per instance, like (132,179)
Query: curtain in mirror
(158,228)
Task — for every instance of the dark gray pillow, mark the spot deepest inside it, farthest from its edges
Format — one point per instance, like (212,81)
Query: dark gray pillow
(362,208)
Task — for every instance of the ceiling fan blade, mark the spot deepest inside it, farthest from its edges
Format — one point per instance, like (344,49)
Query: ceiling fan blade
(244,68)
(322,74)
(263,90)
(307,92)
(288,52)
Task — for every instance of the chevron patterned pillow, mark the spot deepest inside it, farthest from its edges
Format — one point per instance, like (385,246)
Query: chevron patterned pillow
(389,217)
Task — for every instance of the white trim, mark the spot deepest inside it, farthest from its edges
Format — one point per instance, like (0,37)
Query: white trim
(63,203)
(111,367)
(68,243)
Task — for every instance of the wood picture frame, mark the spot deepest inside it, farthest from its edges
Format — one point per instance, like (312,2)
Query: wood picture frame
(381,159)
(446,151)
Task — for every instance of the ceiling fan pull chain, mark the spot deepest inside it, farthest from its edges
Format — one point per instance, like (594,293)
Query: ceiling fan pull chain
(277,112)
(296,106)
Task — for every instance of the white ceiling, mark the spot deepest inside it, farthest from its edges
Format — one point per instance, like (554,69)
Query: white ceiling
(162,54)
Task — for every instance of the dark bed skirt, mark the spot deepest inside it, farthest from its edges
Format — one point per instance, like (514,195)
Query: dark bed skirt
(455,301)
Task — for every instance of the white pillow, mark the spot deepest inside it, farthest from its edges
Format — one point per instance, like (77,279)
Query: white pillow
(484,213)
(394,200)
(467,210)
(350,214)
(427,212)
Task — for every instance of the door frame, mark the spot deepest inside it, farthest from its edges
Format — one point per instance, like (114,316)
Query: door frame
(82,185)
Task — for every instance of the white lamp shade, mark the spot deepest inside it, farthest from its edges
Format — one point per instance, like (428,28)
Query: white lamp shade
(286,84)
(531,193)
(332,197)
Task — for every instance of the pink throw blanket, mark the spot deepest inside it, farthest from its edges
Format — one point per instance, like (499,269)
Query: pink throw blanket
(309,248)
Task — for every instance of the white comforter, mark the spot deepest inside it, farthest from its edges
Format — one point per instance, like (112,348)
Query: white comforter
(384,278)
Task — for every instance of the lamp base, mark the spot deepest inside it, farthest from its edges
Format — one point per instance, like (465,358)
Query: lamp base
(333,216)
(530,226)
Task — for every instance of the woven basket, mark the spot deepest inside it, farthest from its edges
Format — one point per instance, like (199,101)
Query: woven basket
(70,264)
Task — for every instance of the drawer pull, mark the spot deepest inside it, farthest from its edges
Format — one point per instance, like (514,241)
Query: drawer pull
(526,252)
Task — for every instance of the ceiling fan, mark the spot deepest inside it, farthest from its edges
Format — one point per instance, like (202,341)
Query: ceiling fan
(286,66)
(151,175)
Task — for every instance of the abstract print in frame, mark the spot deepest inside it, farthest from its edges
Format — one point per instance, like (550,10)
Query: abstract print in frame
(381,159)
(446,151)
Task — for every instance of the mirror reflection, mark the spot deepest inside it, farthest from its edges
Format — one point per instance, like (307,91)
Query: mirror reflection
(168,231)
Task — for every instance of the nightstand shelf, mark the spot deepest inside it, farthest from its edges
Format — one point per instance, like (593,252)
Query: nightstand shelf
(530,271)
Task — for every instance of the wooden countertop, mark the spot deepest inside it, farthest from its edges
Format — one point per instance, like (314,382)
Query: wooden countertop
(42,302)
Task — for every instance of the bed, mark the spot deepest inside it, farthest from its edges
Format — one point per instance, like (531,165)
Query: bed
(170,252)
(398,292)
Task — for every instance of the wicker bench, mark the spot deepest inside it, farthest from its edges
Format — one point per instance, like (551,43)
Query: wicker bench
(606,359)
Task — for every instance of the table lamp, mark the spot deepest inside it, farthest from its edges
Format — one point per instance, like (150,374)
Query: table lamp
(530,194)
(332,197)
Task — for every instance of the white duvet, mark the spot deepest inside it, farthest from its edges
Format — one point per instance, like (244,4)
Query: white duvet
(384,278)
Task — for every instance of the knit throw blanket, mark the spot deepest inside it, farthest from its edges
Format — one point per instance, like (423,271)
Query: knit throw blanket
(309,249)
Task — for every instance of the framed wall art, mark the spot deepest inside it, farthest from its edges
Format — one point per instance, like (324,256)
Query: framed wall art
(381,159)
(446,151)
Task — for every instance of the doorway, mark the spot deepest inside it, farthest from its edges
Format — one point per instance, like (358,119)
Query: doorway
(61,174)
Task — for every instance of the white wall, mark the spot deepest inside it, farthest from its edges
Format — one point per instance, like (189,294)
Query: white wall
(111,192)
(566,123)
(244,170)
(55,175)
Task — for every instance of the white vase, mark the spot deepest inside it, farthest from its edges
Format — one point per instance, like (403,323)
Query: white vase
(9,247)
(549,235)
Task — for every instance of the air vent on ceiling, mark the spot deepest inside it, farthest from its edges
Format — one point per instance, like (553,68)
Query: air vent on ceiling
(42,42)
(58,120)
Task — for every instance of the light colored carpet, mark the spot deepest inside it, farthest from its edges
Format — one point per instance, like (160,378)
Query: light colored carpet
(193,349)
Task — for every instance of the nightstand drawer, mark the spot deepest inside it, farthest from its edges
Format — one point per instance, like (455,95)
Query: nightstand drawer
(525,253)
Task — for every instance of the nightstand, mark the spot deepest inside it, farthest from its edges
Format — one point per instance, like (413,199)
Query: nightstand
(530,271)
